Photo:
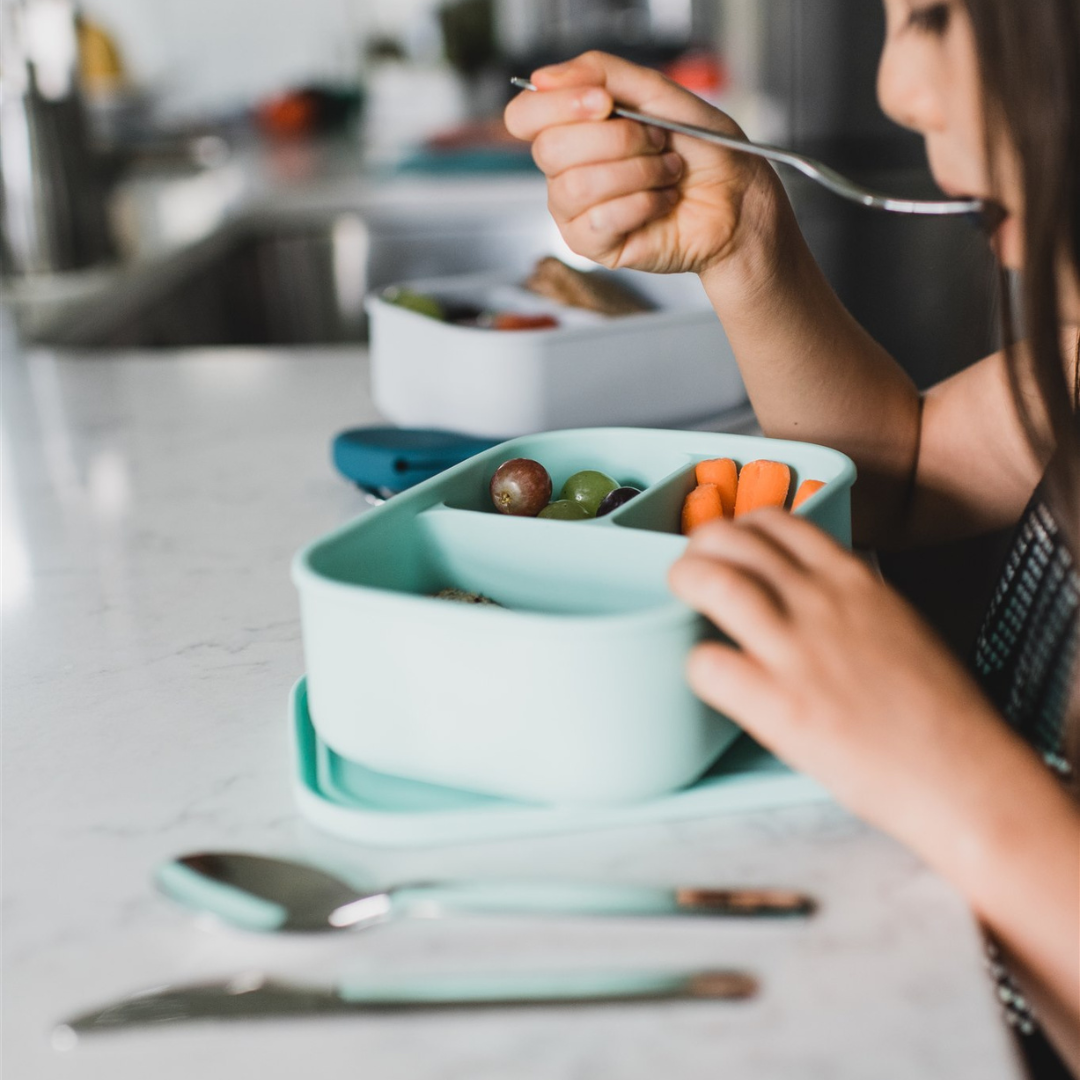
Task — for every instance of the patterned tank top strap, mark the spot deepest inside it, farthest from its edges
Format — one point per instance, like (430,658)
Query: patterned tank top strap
(1026,648)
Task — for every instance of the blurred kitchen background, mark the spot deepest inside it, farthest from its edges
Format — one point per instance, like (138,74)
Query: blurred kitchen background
(134,124)
(243,172)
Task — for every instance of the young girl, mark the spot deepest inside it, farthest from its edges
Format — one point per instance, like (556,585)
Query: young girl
(831,669)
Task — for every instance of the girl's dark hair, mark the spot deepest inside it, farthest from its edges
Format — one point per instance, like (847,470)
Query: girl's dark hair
(1029,56)
(1029,59)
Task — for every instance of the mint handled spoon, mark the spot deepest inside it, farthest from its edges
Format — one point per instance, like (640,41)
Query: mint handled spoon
(259,892)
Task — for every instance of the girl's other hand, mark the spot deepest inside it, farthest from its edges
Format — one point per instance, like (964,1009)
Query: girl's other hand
(624,194)
(835,672)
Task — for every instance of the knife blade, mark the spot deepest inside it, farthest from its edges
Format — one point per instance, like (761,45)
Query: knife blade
(257,995)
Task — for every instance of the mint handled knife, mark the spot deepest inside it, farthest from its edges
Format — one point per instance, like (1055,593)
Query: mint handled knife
(255,995)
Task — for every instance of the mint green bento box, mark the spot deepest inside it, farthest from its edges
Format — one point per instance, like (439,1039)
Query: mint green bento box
(573,691)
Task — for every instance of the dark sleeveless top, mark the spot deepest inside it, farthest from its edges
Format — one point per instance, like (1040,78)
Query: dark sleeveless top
(1025,649)
(1023,658)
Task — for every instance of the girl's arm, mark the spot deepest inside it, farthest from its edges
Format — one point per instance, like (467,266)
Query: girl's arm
(836,674)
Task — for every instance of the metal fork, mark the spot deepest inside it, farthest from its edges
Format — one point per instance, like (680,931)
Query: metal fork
(983,212)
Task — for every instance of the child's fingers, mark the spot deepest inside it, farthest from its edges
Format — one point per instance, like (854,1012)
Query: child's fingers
(530,113)
(731,682)
(566,146)
(804,540)
(742,544)
(627,83)
(580,190)
(743,606)
(601,231)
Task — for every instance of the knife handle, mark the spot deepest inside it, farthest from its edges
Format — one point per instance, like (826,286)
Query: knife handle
(544,988)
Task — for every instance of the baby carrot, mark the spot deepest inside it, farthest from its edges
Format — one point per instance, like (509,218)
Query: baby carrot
(762,483)
(724,473)
(806,489)
(700,506)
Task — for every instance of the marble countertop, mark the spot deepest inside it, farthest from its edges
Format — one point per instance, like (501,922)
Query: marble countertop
(151,505)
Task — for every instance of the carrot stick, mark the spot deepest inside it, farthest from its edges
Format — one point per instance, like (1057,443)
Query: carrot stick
(762,483)
(806,489)
(701,506)
(724,473)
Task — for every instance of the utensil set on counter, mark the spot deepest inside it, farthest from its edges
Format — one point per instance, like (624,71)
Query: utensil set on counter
(263,893)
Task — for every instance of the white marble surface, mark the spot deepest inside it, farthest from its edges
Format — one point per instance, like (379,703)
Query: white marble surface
(151,504)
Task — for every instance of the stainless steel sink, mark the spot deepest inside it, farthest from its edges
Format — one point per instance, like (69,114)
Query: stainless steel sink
(297,278)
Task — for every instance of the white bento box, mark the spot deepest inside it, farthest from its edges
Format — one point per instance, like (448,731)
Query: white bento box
(668,367)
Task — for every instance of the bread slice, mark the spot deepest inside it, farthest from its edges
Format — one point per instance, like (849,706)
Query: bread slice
(552,278)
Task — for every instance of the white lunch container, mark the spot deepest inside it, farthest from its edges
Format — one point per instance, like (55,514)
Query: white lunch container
(668,367)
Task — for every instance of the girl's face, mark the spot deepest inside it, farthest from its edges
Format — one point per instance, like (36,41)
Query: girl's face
(928,80)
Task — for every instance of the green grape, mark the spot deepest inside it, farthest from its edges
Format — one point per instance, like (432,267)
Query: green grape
(564,510)
(588,489)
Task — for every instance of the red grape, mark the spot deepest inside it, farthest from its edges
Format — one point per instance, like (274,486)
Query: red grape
(521,487)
